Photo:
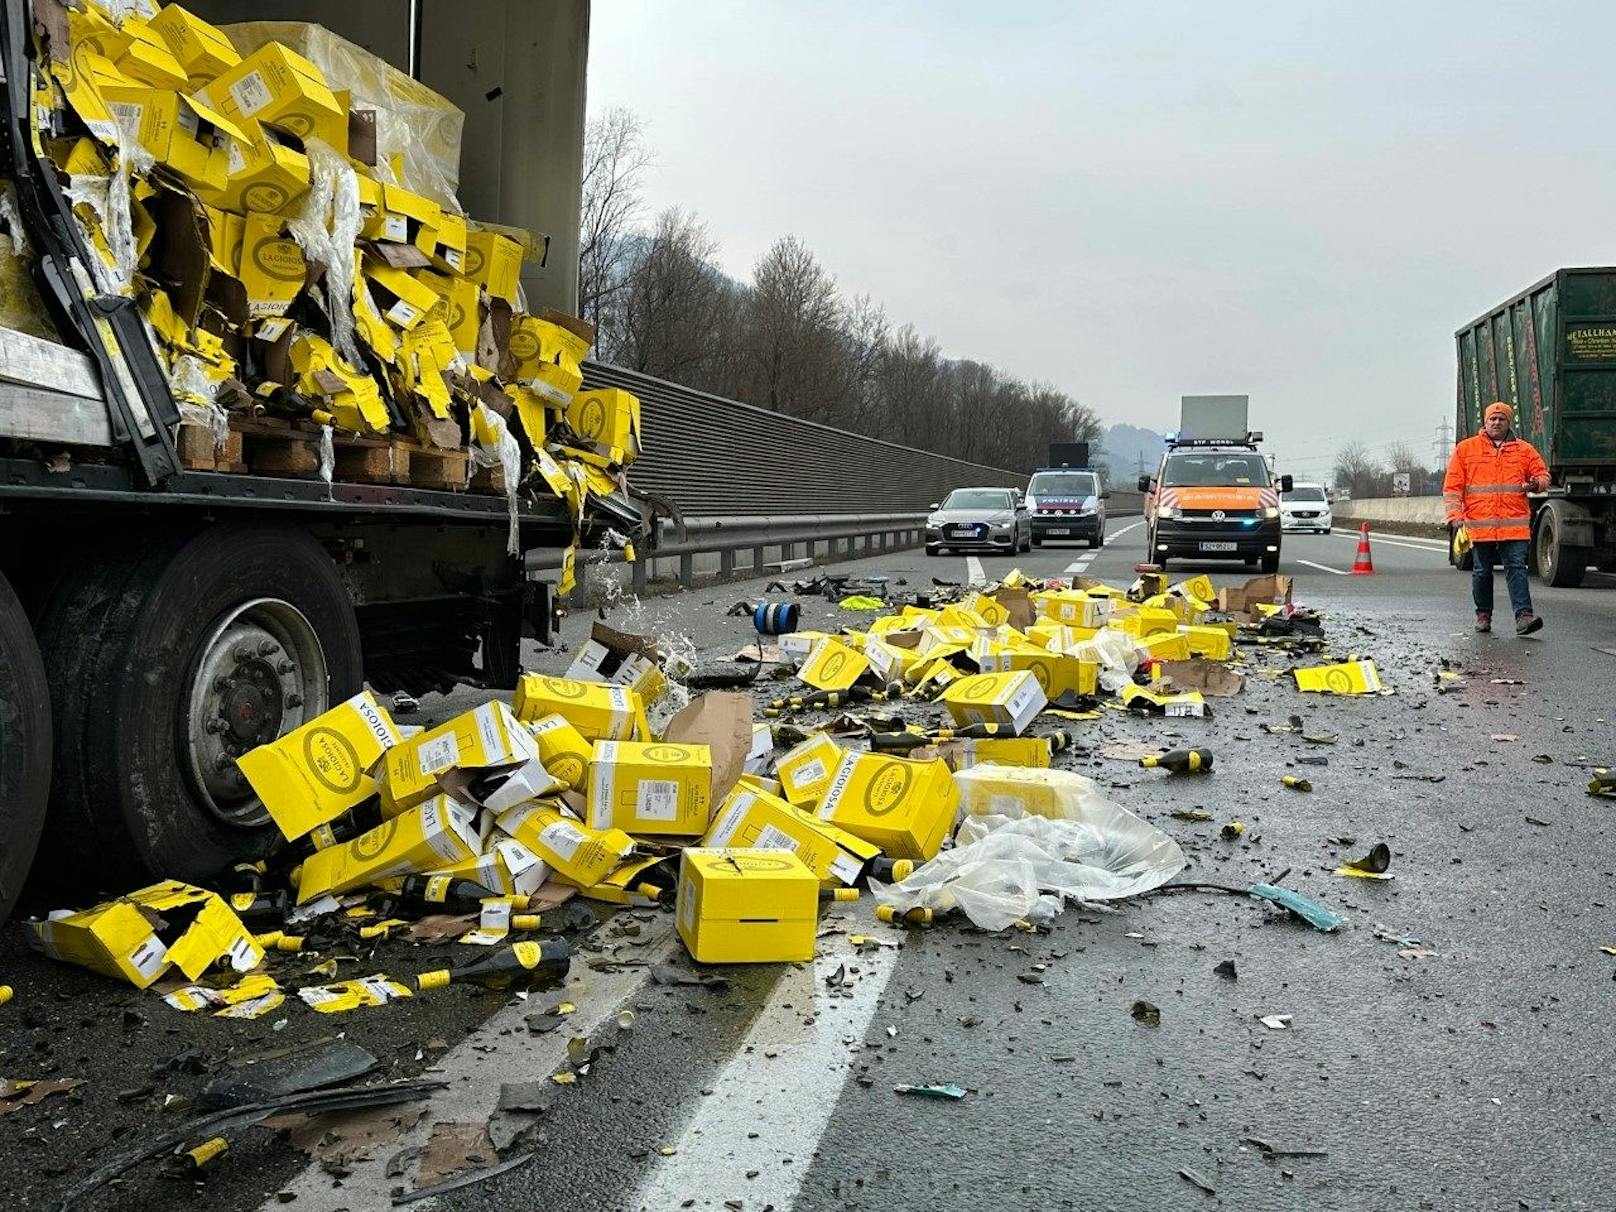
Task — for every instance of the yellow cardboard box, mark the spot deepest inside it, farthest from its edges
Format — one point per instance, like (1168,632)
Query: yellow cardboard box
(447,241)
(224,239)
(1074,606)
(805,769)
(202,50)
(1056,672)
(401,298)
(437,833)
(461,303)
(1014,699)
(832,665)
(1212,642)
(1166,645)
(264,175)
(999,790)
(564,750)
(756,820)
(315,773)
(1028,751)
(1146,620)
(990,611)
(272,268)
(650,788)
(487,737)
(494,262)
(640,882)
(577,854)
(607,421)
(799,645)
(140,936)
(186,136)
(506,868)
(277,85)
(747,907)
(904,807)
(599,711)
(402,217)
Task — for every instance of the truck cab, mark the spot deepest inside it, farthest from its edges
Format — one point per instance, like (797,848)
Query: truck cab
(1213,499)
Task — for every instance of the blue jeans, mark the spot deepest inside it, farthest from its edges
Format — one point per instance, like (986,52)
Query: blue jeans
(1513,554)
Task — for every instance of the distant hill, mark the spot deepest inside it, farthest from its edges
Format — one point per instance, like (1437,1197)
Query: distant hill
(1122,447)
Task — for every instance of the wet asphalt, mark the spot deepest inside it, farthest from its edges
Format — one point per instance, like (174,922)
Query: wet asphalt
(1447,1048)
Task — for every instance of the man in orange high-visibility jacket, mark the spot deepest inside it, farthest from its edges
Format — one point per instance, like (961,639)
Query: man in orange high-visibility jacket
(1485,492)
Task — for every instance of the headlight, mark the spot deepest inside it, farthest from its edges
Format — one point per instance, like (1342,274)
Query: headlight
(1271,512)
(933,521)
(1087,509)
(1032,502)
(1167,511)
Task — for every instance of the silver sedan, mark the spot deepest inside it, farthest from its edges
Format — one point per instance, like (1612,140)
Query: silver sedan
(979,519)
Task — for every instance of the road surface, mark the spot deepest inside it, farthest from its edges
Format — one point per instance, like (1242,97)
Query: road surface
(1447,1049)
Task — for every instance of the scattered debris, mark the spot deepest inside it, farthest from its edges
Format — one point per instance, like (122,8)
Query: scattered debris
(948,1090)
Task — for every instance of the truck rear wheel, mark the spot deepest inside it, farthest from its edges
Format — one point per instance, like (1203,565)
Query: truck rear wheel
(25,747)
(167,660)
(1558,563)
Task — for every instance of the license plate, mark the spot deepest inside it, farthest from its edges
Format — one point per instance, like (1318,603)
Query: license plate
(1063,530)
(1219,546)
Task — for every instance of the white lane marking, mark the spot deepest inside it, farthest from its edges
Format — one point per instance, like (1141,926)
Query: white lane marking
(1413,544)
(1079,565)
(766,1114)
(973,571)
(1119,533)
(501,1050)
(1340,572)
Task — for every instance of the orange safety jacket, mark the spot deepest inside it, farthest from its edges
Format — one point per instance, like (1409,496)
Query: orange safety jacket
(1485,488)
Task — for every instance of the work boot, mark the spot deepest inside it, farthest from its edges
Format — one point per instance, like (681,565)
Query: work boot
(1484,622)
(1526,623)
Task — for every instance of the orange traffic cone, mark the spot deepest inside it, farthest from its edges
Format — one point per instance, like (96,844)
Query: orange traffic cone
(1362,565)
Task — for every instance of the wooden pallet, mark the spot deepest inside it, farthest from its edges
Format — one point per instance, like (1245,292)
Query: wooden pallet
(431,467)
(198,451)
(488,481)
(275,446)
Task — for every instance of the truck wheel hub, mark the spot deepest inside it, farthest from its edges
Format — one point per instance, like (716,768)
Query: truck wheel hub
(261,672)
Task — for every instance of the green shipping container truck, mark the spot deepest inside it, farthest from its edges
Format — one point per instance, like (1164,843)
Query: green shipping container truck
(1550,352)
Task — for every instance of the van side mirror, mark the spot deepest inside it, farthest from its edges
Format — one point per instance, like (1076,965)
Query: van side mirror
(934,505)
(1144,483)
(1286,483)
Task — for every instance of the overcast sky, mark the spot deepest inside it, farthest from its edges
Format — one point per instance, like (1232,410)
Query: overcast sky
(1140,200)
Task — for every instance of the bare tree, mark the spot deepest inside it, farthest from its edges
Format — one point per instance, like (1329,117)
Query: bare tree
(795,338)
(1356,469)
(676,317)
(615,160)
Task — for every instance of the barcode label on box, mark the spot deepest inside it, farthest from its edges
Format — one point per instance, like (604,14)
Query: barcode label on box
(439,754)
(657,800)
(563,838)
(770,838)
(250,93)
(807,774)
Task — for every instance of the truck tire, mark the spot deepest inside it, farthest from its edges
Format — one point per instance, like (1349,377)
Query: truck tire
(1270,562)
(25,747)
(1558,563)
(166,659)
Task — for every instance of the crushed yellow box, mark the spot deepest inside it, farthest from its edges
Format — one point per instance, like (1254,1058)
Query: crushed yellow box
(494,262)
(264,175)
(400,297)
(832,665)
(462,315)
(1013,699)
(447,249)
(652,788)
(402,217)
(277,85)
(487,737)
(1073,606)
(804,770)
(607,421)
(507,868)
(799,645)
(747,907)
(599,711)
(438,833)
(315,773)
(906,808)
(577,854)
(564,750)
(1212,642)
(179,132)
(273,268)
(755,820)
(139,936)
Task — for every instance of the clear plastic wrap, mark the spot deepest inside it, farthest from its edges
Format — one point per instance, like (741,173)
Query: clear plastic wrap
(414,125)
(328,453)
(1117,654)
(194,394)
(504,453)
(1060,840)
(326,229)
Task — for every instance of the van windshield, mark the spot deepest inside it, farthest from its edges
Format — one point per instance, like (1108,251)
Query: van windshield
(1214,469)
(1063,484)
(1304,492)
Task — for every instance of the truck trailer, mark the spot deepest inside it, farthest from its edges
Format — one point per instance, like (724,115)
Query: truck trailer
(1550,353)
(157,618)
